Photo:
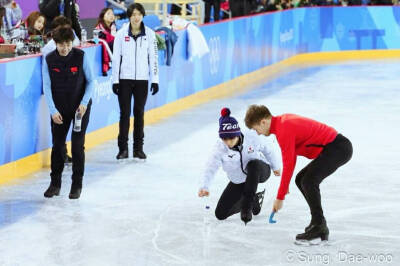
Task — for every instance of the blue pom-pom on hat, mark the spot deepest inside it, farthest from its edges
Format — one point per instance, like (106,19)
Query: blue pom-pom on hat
(228,125)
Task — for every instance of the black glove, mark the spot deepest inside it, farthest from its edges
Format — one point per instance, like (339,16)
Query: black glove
(115,88)
(154,88)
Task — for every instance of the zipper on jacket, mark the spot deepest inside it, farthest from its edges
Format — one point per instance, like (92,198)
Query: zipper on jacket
(135,57)
(241,160)
(239,149)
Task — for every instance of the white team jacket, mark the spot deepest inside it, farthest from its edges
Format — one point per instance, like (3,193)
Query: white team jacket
(254,147)
(135,60)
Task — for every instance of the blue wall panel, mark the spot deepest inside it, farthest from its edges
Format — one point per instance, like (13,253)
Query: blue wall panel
(236,47)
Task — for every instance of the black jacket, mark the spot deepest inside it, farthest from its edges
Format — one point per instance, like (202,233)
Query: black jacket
(67,80)
(51,9)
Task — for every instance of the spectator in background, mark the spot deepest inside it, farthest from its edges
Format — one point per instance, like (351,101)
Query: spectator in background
(12,18)
(135,64)
(68,86)
(216,4)
(53,8)
(35,24)
(107,30)
(2,27)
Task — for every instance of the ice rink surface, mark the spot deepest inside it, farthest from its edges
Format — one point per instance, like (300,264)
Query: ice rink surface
(148,213)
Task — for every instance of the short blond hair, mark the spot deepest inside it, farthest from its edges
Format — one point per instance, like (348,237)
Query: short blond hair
(255,113)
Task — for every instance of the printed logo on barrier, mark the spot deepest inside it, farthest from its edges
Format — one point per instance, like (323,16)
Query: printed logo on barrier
(215,54)
(340,31)
(102,89)
(286,36)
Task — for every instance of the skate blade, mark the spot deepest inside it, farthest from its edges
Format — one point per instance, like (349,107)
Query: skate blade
(314,242)
(123,161)
(137,160)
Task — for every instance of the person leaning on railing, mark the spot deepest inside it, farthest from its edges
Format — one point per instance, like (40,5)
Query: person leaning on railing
(34,27)
(107,31)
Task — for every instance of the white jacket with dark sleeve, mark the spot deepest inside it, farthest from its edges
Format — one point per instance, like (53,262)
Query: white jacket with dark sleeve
(234,162)
(135,59)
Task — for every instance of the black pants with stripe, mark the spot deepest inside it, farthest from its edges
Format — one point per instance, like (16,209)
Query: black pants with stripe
(232,198)
(59,135)
(334,155)
(139,90)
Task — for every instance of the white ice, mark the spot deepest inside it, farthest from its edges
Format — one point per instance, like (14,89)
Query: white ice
(149,213)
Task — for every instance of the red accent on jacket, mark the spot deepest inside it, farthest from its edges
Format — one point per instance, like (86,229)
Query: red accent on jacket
(298,135)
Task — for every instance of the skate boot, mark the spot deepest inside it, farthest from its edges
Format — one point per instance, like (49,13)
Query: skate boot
(139,154)
(52,191)
(246,211)
(75,192)
(122,154)
(314,232)
(258,201)
(311,223)
(76,188)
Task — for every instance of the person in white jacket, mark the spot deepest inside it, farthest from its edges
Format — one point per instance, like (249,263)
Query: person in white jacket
(135,63)
(247,160)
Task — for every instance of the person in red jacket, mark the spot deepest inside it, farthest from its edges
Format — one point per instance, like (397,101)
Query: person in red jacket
(107,31)
(302,136)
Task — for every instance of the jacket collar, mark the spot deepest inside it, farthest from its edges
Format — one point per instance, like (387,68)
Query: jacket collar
(142,31)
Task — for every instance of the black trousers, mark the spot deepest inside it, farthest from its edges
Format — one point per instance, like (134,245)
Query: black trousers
(334,155)
(59,135)
(237,195)
(138,89)
(207,10)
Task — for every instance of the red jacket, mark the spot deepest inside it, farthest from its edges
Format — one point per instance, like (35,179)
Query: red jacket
(108,36)
(298,135)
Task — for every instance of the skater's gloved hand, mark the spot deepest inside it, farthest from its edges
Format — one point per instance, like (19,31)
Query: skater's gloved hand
(278,204)
(277,172)
(203,193)
(115,88)
(57,118)
(82,109)
(154,88)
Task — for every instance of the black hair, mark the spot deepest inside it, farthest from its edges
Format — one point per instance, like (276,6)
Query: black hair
(60,21)
(136,6)
(63,34)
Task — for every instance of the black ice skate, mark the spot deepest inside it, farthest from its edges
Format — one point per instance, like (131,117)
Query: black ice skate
(75,192)
(122,154)
(311,223)
(52,191)
(315,232)
(139,154)
(258,201)
(246,211)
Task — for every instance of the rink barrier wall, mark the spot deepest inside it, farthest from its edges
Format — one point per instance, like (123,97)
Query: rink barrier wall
(244,52)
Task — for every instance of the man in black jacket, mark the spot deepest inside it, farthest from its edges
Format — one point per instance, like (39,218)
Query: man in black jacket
(54,8)
(68,86)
